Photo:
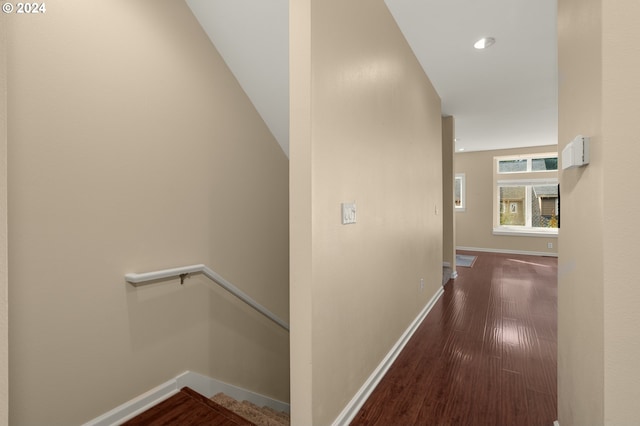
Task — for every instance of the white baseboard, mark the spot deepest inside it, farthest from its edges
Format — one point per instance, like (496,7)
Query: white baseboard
(136,406)
(556,423)
(209,387)
(352,408)
(505,251)
(454,275)
(198,382)
(446,264)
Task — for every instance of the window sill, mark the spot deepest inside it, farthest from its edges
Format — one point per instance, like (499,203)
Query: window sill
(526,232)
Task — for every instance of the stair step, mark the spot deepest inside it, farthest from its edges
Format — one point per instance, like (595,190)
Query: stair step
(261,416)
(188,408)
(279,414)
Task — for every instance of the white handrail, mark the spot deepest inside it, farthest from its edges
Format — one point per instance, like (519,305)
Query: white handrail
(212,275)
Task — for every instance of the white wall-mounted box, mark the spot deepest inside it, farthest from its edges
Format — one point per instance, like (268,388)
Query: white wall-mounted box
(576,153)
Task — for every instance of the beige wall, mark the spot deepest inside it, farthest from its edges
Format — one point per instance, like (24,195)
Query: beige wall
(621,133)
(580,272)
(448,178)
(366,127)
(598,349)
(301,212)
(132,148)
(4,277)
(474,226)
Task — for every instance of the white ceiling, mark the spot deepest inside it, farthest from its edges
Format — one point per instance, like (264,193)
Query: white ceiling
(501,97)
(252,37)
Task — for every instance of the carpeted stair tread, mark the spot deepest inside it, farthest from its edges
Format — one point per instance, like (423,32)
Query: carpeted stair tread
(226,401)
(247,410)
(279,414)
(275,420)
(261,416)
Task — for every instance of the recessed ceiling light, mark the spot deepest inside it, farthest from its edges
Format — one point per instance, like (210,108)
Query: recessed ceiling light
(485,42)
(460,149)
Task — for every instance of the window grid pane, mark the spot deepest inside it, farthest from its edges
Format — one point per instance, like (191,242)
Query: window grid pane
(544,206)
(512,205)
(510,166)
(544,164)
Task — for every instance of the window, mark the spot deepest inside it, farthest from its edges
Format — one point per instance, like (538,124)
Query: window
(524,164)
(527,196)
(459,188)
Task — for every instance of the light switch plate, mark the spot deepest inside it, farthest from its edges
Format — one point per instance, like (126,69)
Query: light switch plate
(348,213)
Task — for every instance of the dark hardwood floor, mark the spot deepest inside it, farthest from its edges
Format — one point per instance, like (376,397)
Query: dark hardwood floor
(485,354)
(187,408)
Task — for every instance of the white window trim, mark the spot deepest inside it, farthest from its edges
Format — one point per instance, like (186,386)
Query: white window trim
(523,182)
(463,193)
(523,230)
(527,229)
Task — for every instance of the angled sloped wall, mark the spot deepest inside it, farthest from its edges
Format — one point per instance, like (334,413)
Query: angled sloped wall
(132,148)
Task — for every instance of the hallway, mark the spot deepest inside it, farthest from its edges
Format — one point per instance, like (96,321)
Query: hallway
(484,355)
